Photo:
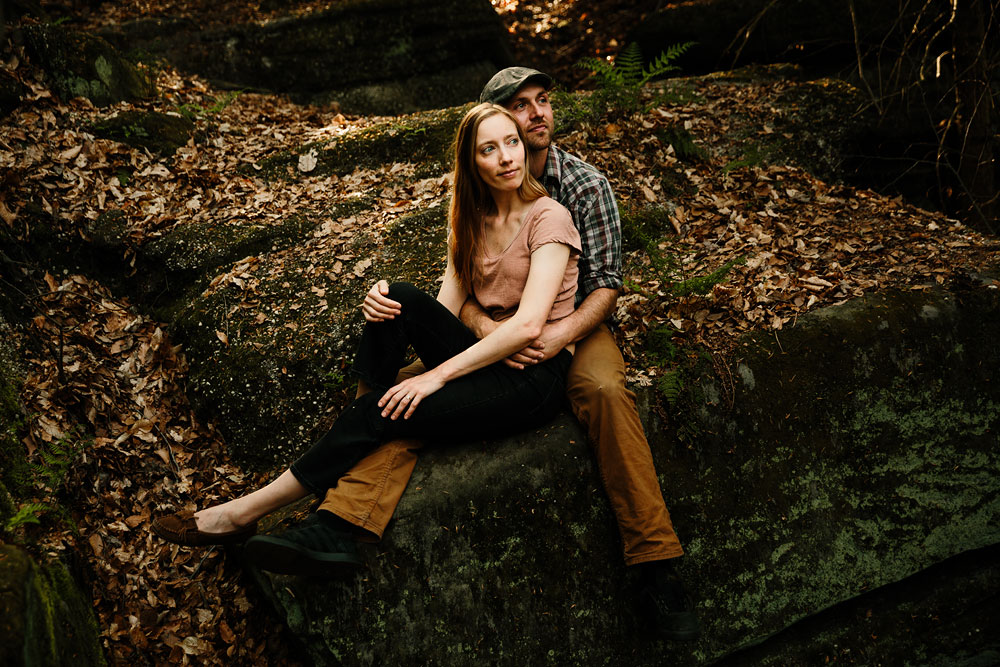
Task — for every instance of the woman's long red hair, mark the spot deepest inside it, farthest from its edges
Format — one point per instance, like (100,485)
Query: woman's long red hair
(471,199)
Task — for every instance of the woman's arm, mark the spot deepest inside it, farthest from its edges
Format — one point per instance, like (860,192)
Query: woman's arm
(545,276)
(378,307)
(452,295)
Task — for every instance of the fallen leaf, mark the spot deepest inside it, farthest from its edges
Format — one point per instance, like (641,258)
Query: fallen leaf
(307,162)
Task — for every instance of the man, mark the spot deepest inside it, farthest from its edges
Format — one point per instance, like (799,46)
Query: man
(364,500)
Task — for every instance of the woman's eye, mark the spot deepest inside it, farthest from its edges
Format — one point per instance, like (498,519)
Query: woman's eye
(487,150)
(513,142)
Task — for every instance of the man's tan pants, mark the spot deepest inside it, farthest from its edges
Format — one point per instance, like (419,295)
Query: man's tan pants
(368,494)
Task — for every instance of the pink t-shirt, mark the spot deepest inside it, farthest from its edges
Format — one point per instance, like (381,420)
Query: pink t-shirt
(505,275)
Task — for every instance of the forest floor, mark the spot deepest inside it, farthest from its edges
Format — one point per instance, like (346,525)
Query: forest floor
(791,242)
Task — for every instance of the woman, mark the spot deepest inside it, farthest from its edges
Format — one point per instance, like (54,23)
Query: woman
(512,248)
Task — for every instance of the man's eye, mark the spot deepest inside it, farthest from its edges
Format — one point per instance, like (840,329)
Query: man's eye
(543,100)
(519,106)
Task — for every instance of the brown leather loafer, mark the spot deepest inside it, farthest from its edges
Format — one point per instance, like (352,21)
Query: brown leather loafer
(181,528)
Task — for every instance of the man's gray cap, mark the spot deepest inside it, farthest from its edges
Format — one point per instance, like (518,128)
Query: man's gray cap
(506,82)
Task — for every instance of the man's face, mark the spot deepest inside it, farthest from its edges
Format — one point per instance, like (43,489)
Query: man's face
(530,107)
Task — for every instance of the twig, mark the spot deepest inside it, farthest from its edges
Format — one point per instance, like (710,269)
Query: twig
(857,52)
(170,452)
(724,374)
(746,30)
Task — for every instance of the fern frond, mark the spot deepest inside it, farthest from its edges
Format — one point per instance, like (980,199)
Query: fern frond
(664,62)
(28,513)
(606,72)
(704,284)
(629,65)
(670,385)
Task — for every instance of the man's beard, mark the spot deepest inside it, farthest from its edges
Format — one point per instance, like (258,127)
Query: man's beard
(538,142)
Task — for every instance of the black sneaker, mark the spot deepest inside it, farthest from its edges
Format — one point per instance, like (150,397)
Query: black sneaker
(312,548)
(669,610)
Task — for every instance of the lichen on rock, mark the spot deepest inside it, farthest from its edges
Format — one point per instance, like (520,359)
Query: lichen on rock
(83,65)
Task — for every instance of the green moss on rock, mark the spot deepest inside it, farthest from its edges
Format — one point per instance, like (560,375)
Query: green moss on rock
(158,132)
(276,384)
(46,619)
(815,479)
(422,138)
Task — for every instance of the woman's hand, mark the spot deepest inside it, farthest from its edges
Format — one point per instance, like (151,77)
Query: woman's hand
(377,307)
(403,398)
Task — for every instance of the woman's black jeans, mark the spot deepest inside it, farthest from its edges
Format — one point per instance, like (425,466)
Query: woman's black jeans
(485,403)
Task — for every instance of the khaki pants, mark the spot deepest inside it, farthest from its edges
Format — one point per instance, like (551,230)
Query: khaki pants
(368,494)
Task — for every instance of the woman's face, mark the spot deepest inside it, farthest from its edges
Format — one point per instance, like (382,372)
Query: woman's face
(499,154)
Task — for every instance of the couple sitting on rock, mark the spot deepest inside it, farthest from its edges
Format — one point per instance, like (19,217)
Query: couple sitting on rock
(533,273)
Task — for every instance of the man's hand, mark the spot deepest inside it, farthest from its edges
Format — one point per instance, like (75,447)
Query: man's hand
(377,307)
(553,339)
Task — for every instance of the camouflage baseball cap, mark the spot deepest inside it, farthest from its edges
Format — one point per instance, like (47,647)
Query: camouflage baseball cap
(506,82)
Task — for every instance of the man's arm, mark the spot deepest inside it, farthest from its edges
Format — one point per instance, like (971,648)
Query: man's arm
(476,318)
(595,308)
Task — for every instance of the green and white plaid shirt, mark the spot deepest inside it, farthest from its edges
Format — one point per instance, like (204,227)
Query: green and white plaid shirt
(587,194)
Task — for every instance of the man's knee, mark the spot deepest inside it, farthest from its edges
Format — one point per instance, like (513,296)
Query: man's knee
(596,389)
(412,370)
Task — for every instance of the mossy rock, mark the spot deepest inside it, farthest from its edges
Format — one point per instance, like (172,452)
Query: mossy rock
(47,620)
(422,138)
(277,377)
(816,125)
(158,132)
(82,65)
(368,56)
(858,449)
(826,119)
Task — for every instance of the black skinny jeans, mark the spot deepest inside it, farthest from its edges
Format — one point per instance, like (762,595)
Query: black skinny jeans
(487,402)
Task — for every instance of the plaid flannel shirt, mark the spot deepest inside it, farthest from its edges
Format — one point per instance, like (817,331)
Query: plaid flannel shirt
(587,194)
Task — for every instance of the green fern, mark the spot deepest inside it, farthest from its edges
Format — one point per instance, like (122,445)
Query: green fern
(620,82)
(629,65)
(28,513)
(664,62)
(55,460)
(670,385)
(702,284)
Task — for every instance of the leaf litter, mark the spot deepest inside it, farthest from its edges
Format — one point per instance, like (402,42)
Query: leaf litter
(101,367)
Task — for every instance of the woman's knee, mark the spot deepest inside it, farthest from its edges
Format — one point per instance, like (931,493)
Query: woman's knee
(404,292)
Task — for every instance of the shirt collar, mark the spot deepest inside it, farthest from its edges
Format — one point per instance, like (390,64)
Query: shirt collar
(552,173)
